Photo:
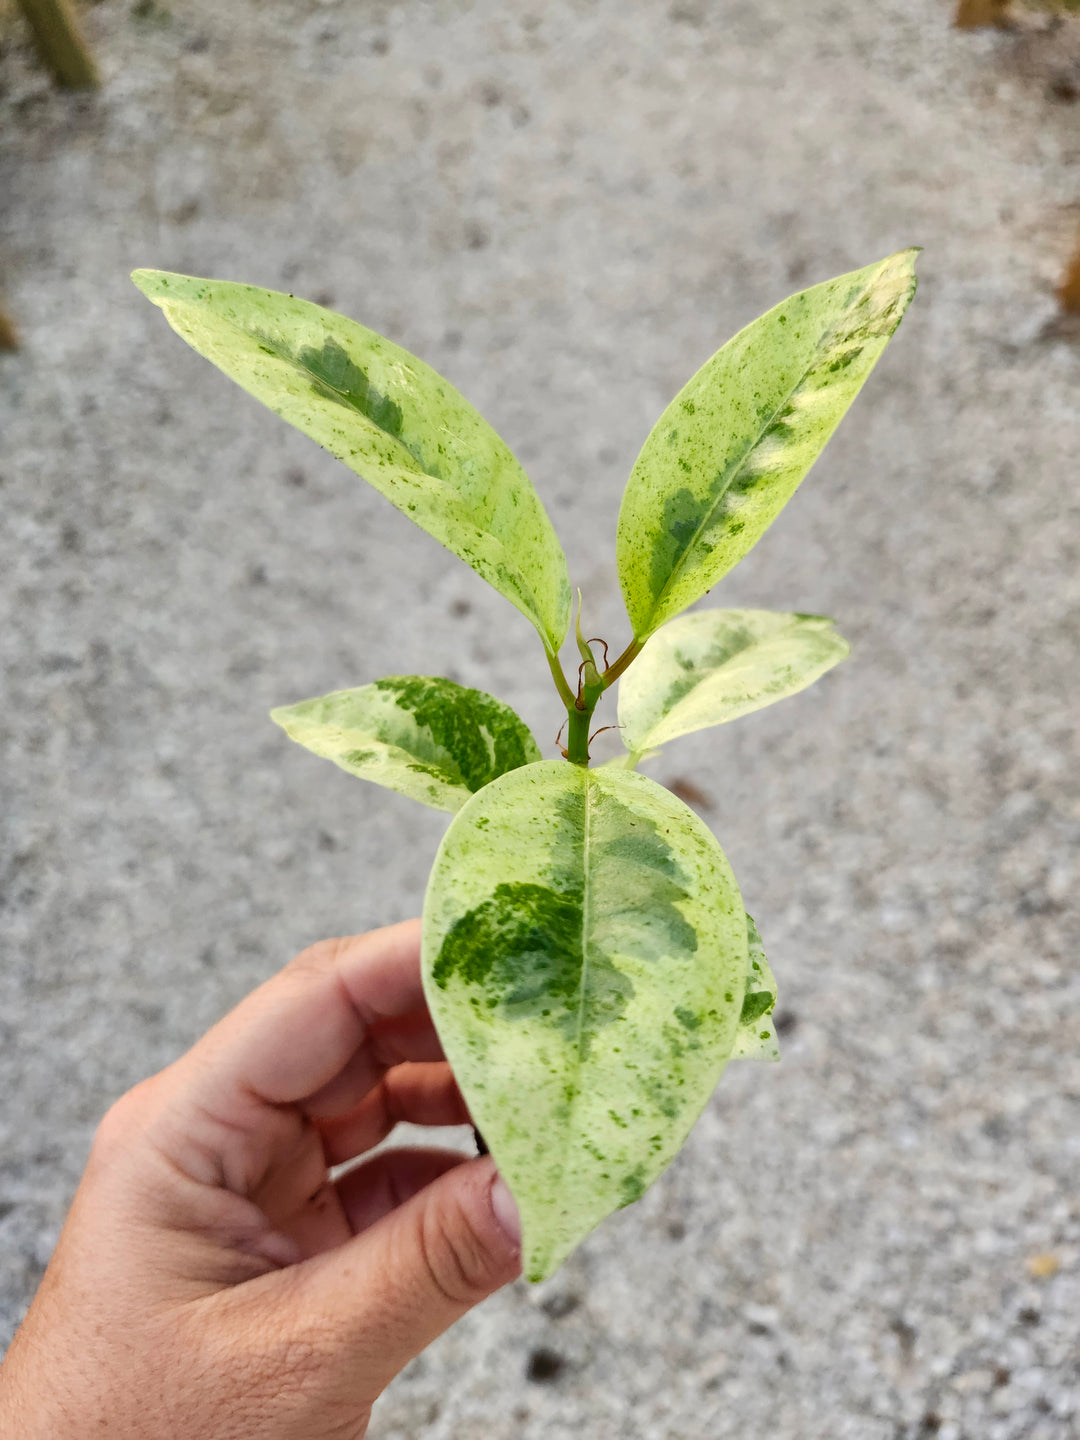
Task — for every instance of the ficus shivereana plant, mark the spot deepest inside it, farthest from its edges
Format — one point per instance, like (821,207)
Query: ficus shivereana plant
(586,954)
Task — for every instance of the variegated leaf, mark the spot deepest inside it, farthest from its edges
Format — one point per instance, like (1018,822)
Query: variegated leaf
(392,419)
(714,665)
(755,1039)
(427,738)
(585,961)
(730,449)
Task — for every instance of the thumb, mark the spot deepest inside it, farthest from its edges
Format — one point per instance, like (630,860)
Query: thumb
(397,1286)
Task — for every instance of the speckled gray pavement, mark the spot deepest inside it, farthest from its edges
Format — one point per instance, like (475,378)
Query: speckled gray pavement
(567,206)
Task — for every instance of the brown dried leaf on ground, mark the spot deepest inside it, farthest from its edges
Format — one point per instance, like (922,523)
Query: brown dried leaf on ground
(976,14)
(691,794)
(1069,289)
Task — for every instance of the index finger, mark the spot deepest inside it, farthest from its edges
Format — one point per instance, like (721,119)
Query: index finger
(354,1004)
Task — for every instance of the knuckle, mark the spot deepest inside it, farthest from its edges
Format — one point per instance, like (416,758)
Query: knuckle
(123,1118)
(316,959)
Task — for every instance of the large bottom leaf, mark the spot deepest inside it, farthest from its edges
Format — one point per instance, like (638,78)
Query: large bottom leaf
(585,960)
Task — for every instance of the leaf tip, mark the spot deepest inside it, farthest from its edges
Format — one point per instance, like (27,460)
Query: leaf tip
(904,259)
(901,268)
(539,1262)
(153,283)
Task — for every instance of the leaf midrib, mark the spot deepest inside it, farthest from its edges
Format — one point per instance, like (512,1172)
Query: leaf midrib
(296,364)
(737,466)
(584,923)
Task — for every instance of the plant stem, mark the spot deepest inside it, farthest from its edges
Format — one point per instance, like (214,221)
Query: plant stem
(616,668)
(60,43)
(591,685)
(566,695)
(577,735)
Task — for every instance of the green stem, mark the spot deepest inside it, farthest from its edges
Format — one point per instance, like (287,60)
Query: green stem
(614,670)
(566,695)
(60,43)
(591,685)
(580,715)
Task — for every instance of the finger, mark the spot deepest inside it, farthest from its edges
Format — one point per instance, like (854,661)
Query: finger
(291,1036)
(337,1210)
(387,1294)
(388,1044)
(419,1094)
(222,1103)
(371,1191)
(320,1224)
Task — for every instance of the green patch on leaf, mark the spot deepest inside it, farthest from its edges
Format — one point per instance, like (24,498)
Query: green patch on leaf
(755,1038)
(521,950)
(633,1186)
(484,736)
(756,1004)
(339,378)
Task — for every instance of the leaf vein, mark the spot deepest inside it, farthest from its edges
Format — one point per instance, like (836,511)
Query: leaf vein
(586,887)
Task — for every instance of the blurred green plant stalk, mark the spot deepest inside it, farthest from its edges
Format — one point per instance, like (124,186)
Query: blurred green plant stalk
(60,43)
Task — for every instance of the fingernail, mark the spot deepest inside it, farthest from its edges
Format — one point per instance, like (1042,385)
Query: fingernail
(506,1210)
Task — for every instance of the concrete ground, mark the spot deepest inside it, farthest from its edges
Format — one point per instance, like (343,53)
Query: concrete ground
(567,206)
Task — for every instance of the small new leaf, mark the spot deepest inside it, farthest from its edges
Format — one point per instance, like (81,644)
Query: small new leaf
(755,1039)
(715,665)
(585,961)
(427,738)
(392,419)
(731,448)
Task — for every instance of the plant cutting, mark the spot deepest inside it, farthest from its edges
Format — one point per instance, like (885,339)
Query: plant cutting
(587,957)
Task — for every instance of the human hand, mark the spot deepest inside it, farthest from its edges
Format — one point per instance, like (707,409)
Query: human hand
(211,1283)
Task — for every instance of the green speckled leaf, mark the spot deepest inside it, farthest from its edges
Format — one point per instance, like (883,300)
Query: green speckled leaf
(427,738)
(715,665)
(392,419)
(585,959)
(755,1039)
(729,451)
